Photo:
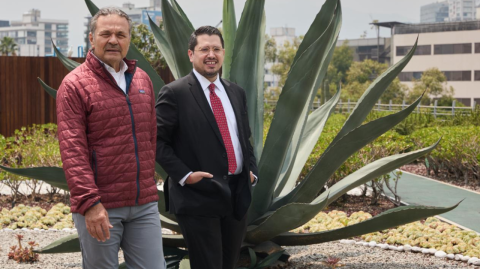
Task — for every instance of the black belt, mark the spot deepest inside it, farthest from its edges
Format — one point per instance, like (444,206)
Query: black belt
(233,177)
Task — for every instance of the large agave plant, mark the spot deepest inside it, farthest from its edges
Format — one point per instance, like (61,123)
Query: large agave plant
(279,205)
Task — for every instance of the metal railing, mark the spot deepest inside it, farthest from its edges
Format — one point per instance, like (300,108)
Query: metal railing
(435,110)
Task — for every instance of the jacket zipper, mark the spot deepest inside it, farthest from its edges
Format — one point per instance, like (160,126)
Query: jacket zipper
(133,127)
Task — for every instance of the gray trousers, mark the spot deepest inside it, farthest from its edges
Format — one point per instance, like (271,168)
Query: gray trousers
(136,230)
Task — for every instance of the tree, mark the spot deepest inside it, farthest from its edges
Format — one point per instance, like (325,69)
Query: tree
(8,46)
(434,83)
(144,40)
(361,75)
(337,69)
(270,49)
(285,58)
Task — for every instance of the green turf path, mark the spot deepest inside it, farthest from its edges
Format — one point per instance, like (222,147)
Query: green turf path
(417,190)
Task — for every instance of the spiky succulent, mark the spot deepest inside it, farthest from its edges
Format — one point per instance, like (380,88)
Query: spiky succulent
(278,205)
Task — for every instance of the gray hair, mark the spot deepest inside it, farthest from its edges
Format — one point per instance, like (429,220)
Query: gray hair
(109,11)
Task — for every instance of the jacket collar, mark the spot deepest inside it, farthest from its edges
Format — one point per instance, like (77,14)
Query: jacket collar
(97,66)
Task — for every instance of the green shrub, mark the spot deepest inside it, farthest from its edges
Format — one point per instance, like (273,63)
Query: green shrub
(458,153)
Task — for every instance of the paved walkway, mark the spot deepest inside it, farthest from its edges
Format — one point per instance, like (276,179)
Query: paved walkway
(419,190)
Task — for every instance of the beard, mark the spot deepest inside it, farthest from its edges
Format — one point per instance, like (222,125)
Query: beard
(209,74)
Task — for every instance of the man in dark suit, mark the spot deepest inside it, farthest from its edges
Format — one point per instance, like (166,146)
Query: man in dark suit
(203,144)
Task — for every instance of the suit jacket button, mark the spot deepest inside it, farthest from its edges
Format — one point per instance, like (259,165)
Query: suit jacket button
(224,177)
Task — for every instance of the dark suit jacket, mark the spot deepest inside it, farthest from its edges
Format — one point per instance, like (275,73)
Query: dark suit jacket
(188,139)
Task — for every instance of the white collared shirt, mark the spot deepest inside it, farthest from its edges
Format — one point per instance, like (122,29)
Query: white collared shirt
(119,76)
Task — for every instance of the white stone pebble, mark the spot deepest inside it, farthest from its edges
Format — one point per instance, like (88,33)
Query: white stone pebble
(359,243)
(458,257)
(407,247)
(477,262)
(472,260)
(372,244)
(416,249)
(392,247)
(450,256)
(66,229)
(385,246)
(24,229)
(440,254)
(425,251)
(365,244)
(400,248)
(465,258)
(432,251)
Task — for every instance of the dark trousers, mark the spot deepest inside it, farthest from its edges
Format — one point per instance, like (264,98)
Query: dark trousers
(213,242)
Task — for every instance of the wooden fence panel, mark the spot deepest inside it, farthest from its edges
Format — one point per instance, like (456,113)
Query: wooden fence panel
(23,101)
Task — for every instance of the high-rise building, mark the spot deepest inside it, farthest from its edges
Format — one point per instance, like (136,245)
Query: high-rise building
(281,35)
(461,10)
(434,12)
(34,34)
(156,4)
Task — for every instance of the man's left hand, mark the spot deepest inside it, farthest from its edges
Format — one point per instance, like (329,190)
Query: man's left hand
(252,178)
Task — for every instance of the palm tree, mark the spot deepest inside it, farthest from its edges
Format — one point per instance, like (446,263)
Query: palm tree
(8,46)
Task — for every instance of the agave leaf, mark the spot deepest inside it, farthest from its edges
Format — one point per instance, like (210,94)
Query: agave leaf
(253,258)
(162,209)
(313,128)
(278,222)
(178,33)
(160,171)
(373,170)
(91,7)
(292,162)
(247,68)
(66,244)
(338,153)
(179,10)
(173,240)
(229,25)
(270,259)
(51,175)
(51,91)
(68,63)
(169,224)
(296,92)
(388,219)
(165,49)
(372,94)
(134,53)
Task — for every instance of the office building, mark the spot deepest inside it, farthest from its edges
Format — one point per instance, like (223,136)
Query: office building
(34,34)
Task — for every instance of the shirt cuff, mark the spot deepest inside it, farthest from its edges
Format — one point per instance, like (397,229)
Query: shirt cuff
(182,181)
(255,181)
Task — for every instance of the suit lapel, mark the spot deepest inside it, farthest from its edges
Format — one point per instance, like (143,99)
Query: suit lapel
(202,102)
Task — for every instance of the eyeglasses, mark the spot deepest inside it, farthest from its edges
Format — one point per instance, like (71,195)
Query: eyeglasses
(205,51)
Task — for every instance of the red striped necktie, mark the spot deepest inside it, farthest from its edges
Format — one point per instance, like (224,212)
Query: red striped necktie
(219,114)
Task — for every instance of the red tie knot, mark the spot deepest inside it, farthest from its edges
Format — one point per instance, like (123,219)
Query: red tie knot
(211,87)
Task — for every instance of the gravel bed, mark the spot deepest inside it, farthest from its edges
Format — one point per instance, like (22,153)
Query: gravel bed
(359,257)
(302,257)
(46,261)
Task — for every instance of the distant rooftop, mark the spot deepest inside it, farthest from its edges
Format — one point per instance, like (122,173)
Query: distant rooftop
(437,27)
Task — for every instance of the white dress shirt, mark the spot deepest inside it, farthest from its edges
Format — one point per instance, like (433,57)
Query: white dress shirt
(119,76)
(229,114)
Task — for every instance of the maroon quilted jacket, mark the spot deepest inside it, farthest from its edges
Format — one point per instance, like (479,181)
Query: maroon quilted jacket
(107,138)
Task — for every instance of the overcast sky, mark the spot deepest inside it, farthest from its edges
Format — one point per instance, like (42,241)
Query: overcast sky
(299,14)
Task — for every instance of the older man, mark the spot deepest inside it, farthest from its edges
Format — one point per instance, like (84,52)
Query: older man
(107,135)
